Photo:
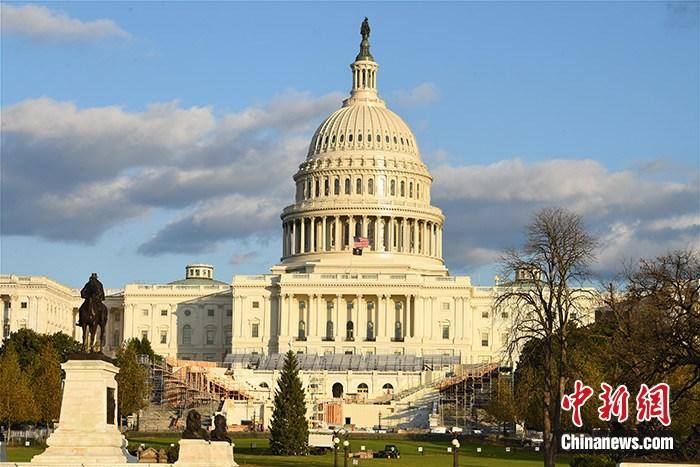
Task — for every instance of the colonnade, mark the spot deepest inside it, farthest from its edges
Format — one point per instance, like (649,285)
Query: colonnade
(347,318)
(316,234)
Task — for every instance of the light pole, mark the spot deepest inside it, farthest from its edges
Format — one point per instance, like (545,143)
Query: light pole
(346,448)
(455,452)
(336,441)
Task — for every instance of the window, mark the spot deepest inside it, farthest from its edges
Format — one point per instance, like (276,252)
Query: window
(117,316)
(484,339)
(370,330)
(301,334)
(392,185)
(350,138)
(446,305)
(342,138)
(359,138)
(386,138)
(188,312)
(347,186)
(445,331)
(504,314)
(116,341)
(398,330)
(329,330)
(410,189)
(264,385)
(318,188)
(255,330)
(337,390)
(336,186)
(210,312)
(145,312)
(164,312)
(23,305)
(186,334)
(485,314)
(370,186)
(402,190)
(229,313)
(256,304)
(211,333)
(163,336)
(350,330)
(358,186)
(362,388)
(388,388)
(327,185)
(144,334)
(418,190)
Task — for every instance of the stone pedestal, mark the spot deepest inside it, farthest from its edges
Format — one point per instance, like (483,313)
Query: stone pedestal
(200,453)
(88,431)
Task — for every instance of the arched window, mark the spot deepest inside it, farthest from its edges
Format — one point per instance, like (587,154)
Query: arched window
(370,330)
(358,186)
(350,330)
(302,330)
(418,190)
(342,138)
(410,189)
(362,388)
(336,186)
(370,186)
(264,385)
(402,190)
(308,189)
(187,334)
(369,137)
(359,138)
(327,187)
(329,330)
(350,138)
(388,388)
(337,390)
(318,188)
(392,189)
(347,186)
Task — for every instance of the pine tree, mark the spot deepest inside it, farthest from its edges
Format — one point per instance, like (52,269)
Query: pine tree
(16,400)
(289,430)
(46,382)
(132,381)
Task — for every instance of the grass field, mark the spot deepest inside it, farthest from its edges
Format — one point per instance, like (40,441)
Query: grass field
(252,452)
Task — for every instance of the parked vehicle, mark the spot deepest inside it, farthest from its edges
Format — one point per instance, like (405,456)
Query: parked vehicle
(438,430)
(390,451)
(320,442)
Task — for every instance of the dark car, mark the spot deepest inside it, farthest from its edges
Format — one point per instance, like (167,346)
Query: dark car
(390,451)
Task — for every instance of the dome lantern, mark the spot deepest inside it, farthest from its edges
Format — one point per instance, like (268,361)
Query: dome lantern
(364,73)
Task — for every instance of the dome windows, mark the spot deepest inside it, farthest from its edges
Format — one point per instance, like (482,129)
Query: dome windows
(333,139)
(395,140)
(347,186)
(370,186)
(379,138)
(403,188)
(387,138)
(359,138)
(336,187)
(392,187)
(350,138)
(342,137)
(369,137)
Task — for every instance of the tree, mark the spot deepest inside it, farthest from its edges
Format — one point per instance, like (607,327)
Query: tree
(132,381)
(16,401)
(502,406)
(28,344)
(544,292)
(289,429)
(46,377)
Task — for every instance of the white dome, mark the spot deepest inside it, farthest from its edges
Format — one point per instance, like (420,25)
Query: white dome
(363,126)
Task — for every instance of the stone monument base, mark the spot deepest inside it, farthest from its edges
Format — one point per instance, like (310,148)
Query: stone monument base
(87,431)
(200,453)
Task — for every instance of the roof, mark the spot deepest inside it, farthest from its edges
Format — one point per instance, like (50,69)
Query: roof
(197,281)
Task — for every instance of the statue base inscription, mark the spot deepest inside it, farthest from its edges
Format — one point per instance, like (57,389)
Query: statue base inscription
(200,453)
(87,432)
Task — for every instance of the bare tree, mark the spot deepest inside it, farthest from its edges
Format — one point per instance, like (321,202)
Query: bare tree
(545,293)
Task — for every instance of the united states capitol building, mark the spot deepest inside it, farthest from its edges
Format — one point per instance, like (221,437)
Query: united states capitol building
(384,321)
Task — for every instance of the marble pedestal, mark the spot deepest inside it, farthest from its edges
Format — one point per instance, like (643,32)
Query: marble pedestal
(200,453)
(88,431)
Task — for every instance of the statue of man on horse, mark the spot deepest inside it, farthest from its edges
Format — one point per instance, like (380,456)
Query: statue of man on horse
(93,313)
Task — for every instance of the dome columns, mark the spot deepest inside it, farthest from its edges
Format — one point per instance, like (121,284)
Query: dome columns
(397,234)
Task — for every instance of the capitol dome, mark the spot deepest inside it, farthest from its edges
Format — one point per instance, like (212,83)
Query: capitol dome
(363,177)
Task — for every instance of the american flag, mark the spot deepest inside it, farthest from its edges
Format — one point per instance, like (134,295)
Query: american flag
(361,242)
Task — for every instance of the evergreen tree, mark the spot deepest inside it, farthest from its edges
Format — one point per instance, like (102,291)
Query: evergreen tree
(132,381)
(16,401)
(289,429)
(45,376)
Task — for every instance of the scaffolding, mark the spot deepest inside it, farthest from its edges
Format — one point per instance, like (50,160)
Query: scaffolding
(469,390)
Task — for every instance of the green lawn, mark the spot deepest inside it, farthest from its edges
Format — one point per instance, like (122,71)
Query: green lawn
(434,454)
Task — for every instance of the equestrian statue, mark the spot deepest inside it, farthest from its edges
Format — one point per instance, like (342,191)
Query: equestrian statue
(93,313)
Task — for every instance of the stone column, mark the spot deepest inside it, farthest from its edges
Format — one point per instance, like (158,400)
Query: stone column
(415,236)
(390,225)
(302,239)
(293,237)
(352,229)
(337,316)
(324,234)
(360,318)
(336,233)
(364,226)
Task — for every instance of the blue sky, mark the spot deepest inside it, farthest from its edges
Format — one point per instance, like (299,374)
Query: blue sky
(138,137)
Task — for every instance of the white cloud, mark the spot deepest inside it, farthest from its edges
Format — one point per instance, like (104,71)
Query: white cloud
(39,23)
(422,94)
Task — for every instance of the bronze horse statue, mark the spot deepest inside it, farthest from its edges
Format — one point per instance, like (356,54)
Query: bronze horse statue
(93,313)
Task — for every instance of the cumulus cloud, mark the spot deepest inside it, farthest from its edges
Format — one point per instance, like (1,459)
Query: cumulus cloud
(70,174)
(39,23)
(488,206)
(422,94)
